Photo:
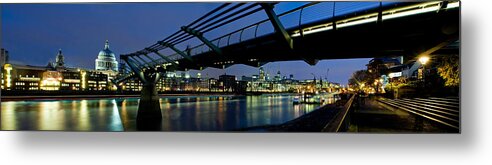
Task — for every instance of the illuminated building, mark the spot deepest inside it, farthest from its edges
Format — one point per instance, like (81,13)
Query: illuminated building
(262,74)
(83,80)
(203,86)
(105,63)
(71,80)
(213,84)
(171,81)
(18,77)
(53,77)
(56,76)
(32,78)
(278,77)
(132,85)
(51,81)
(8,76)
(97,81)
(106,60)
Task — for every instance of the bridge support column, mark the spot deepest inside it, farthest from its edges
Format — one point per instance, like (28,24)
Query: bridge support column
(149,114)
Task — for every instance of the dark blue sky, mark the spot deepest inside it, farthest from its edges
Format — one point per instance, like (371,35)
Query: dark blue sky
(33,33)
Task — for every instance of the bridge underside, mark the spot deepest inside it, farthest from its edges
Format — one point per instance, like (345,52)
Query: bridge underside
(408,36)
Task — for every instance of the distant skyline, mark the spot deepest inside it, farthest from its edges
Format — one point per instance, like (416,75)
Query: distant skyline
(33,34)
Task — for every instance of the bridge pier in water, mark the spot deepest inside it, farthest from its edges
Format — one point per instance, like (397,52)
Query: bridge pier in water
(149,114)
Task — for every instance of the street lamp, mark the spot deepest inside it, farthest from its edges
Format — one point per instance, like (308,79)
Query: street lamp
(376,85)
(423,60)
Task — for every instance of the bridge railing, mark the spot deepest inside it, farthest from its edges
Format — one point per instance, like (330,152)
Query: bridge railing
(291,19)
(294,20)
(341,122)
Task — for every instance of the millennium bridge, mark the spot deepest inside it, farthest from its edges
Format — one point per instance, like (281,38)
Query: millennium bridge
(310,32)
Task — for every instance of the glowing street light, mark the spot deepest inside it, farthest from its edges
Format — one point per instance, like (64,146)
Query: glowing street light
(376,86)
(423,60)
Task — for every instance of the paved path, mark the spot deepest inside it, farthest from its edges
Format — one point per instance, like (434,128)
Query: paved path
(374,117)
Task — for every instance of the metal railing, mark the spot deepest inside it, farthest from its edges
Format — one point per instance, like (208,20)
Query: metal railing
(341,122)
(367,13)
(299,15)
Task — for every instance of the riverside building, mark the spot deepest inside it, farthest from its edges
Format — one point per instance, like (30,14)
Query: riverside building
(53,77)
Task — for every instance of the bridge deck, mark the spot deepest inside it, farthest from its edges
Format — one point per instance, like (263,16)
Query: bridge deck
(401,29)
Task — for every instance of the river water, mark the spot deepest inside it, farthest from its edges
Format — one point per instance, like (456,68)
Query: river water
(180,113)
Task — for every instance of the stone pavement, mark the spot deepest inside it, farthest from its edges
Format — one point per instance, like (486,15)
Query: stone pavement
(374,117)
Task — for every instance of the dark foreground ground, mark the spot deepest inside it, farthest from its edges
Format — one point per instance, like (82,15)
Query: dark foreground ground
(369,117)
(374,117)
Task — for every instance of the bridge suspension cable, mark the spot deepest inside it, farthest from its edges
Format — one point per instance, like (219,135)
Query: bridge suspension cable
(217,16)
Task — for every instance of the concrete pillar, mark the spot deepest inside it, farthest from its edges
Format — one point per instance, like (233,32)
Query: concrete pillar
(149,114)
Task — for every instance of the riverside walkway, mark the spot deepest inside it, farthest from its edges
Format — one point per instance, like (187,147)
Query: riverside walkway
(375,116)
(368,115)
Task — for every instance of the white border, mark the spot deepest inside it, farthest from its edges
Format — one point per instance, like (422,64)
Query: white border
(473,146)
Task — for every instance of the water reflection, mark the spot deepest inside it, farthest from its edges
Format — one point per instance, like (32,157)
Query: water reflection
(49,117)
(183,113)
(9,123)
(83,117)
(70,115)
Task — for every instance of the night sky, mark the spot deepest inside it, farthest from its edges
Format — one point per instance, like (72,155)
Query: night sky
(33,33)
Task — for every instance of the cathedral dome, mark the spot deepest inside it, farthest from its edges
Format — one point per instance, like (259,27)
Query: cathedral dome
(106,60)
(106,53)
